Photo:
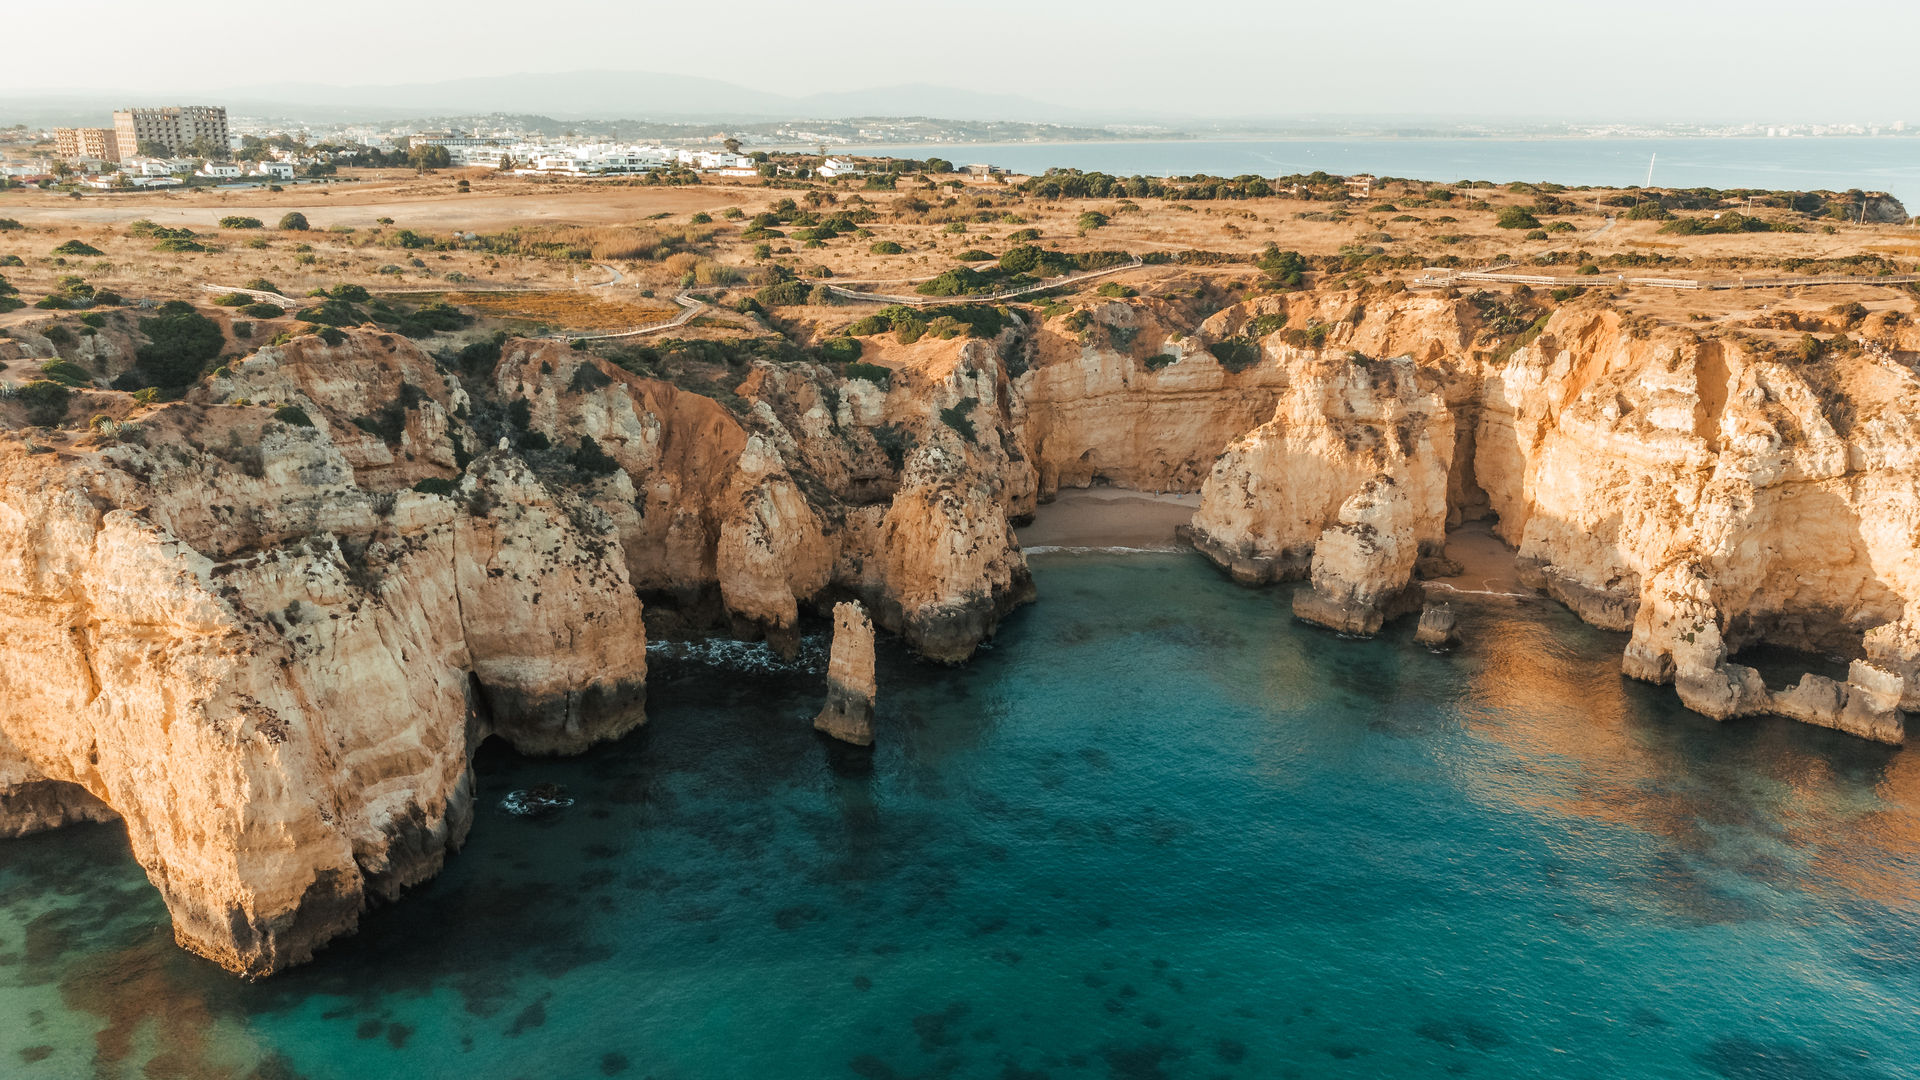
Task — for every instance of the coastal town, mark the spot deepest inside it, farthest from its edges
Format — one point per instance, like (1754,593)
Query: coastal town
(194,145)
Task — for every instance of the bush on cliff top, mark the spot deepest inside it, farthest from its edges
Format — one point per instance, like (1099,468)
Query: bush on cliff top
(180,343)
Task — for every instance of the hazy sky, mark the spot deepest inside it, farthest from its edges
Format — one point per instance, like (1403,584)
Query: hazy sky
(1678,59)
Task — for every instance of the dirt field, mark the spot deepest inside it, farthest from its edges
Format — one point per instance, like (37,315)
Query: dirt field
(556,236)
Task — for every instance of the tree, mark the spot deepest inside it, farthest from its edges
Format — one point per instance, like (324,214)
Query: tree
(423,158)
(149,148)
(732,145)
(294,222)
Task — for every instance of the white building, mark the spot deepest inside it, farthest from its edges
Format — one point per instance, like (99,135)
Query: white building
(221,170)
(834,166)
(713,159)
(278,170)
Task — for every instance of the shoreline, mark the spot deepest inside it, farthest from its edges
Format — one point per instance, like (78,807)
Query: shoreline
(1082,520)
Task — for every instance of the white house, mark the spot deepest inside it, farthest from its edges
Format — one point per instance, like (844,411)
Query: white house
(834,166)
(279,170)
(222,170)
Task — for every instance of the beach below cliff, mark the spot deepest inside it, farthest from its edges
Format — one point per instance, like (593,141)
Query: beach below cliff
(1109,518)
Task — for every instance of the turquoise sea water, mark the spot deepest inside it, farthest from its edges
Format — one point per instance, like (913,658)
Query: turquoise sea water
(1159,830)
(1835,164)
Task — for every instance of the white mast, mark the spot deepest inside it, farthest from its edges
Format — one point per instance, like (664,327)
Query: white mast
(1650,162)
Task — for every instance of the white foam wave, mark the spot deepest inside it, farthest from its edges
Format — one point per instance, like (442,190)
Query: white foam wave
(1069,549)
(750,656)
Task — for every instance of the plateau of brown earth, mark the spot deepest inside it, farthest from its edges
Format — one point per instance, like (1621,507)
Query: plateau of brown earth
(269,575)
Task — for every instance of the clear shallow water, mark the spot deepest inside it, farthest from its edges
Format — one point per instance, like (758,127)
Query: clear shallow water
(1159,830)
(1835,164)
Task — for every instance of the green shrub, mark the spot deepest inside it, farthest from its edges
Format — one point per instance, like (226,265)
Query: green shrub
(881,377)
(785,294)
(959,417)
(435,485)
(886,247)
(1516,217)
(1092,219)
(294,222)
(1537,234)
(588,458)
(77,247)
(840,349)
(235,221)
(1023,236)
(293,415)
(908,327)
(332,312)
(1262,325)
(482,355)
(353,294)
(45,401)
(1235,355)
(1116,290)
(261,284)
(871,324)
(242,329)
(8,224)
(179,245)
(263,310)
(959,281)
(1155,363)
(1731,221)
(180,342)
(233,299)
(70,374)
(1649,211)
(1283,269)
(974,255)
(700,218)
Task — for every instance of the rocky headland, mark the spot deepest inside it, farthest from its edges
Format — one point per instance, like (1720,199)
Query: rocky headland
(267,623)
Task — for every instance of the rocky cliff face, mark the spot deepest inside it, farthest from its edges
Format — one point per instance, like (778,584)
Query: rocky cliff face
(267,625)
(1705,493)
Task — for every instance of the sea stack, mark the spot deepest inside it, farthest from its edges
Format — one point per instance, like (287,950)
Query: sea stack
(848,714)
(1437,627)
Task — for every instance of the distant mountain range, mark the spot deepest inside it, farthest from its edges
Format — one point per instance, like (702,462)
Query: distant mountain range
(586,95)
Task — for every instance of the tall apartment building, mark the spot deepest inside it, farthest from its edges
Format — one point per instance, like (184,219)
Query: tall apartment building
(87,144)
(174,127)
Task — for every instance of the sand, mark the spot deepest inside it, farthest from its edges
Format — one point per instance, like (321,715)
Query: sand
(1108,517)
(1487,564)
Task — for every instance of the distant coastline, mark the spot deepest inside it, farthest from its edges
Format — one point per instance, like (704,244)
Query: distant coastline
(1889,163)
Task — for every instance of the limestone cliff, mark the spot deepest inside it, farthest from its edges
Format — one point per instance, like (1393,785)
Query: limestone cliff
(266,625)
(274,674)
(1704,492)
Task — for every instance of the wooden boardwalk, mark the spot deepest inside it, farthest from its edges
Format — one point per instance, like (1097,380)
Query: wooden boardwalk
(1440,279)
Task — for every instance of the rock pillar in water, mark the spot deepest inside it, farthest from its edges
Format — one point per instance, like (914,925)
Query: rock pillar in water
(1363,563)
(848,714)
(1437,627)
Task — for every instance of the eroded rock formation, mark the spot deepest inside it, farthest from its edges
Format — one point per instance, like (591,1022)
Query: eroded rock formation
(848,713)
(266,626)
